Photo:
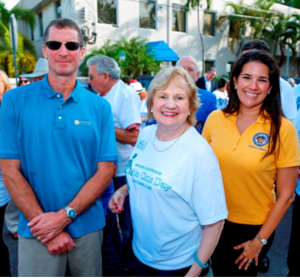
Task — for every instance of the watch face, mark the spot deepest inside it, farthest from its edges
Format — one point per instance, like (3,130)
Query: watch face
(264,242)
(72,213)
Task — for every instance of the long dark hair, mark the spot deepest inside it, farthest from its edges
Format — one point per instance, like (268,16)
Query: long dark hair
(271,106)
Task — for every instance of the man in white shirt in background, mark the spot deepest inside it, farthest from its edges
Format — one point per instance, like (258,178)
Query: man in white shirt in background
(104,73)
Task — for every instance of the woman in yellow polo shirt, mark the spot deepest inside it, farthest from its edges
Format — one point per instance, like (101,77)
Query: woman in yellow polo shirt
(255,145)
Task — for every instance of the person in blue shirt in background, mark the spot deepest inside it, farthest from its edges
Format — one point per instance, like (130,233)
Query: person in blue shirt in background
(208,100)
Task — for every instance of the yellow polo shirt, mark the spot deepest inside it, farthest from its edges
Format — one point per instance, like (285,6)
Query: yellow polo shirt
(248,180)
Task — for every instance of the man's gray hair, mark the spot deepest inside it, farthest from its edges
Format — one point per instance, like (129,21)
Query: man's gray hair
(190,57)
(212,69)
(105,64)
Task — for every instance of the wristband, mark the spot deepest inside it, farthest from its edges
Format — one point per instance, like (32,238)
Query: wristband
(199,262)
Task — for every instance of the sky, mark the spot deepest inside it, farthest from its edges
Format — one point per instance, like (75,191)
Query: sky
(9,4)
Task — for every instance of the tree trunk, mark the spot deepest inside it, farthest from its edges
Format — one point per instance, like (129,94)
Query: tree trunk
(202,41)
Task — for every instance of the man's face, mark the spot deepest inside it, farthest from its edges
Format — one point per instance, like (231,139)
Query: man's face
(210,75)
(98,81)
(189,65)
(63,62)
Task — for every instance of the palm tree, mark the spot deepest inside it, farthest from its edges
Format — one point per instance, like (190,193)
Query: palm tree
(196,4)
(26,54)
(261,22)
(137,60)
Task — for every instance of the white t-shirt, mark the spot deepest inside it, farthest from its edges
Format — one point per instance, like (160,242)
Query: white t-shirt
(125,105)
(288,101)
(172,195)
(222,98)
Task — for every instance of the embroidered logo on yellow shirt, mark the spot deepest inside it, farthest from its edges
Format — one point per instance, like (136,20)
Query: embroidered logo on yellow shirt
(261,139)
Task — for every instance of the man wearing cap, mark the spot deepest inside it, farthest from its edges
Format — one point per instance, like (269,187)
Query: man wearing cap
(40,70)
(57,147)
(104,73)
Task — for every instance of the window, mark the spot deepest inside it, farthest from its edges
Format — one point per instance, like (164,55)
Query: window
(107,11)
(147,14)
(40,20)
(179,18)
(58,9)
(209,23)
(208,65)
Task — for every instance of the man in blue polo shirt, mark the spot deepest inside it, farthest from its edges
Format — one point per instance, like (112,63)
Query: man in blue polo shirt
(57,147)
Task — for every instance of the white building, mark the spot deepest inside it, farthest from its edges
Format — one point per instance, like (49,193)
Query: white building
(154,20)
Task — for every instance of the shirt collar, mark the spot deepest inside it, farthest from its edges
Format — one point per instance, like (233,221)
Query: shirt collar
(50,93)
(262,119)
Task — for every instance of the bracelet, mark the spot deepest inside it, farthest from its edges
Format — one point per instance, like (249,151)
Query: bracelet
(199,262)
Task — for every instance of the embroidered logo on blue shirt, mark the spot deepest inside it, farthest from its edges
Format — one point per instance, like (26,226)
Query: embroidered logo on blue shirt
(261,139)
(141,145)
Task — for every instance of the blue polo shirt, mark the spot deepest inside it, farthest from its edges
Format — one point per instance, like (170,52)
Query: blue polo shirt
(59,143)
(208,104)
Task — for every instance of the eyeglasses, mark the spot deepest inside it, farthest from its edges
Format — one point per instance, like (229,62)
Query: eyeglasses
(92,76)
(24,81)
(55,45)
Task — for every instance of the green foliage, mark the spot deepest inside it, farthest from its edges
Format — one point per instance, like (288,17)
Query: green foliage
(259,21)
(137,60)
(20,14)
(291,3)
(26,53)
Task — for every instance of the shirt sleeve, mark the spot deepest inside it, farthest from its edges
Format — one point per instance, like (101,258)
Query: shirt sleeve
(108,147)
(208,197)
(8,136)
(129,112)
(206,130)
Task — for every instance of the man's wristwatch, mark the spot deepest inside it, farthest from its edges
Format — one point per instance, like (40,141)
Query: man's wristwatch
(262,240)
(71,213)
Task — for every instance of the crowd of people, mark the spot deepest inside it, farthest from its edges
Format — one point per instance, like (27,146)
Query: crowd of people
(155,183)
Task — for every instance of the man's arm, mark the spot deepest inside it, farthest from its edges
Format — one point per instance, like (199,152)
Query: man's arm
(19,189)
(46,226)
(127,136)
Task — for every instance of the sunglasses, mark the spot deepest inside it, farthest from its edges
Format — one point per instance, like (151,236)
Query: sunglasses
(54,45)
(24,81)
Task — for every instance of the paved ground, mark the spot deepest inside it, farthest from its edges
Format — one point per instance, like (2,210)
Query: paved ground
(277,253)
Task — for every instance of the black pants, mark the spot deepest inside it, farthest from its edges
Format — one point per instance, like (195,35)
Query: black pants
(126,255)
(224,256)
(143,270)
(4,261)
(293,259)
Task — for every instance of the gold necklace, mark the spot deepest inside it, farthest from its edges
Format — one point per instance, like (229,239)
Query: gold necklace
(170,145)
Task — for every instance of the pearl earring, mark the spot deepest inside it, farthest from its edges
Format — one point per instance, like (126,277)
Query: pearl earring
(189,113)
(151,111)
(268,93)
(234,87)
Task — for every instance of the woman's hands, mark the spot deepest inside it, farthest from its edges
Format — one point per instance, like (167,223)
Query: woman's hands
(251,252)
(116,201)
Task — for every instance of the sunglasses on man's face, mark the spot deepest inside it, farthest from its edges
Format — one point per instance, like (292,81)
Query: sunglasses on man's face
(24,81)
(55,45)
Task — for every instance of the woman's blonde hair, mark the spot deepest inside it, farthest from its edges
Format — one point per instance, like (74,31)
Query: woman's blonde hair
(5,80)
(163,79)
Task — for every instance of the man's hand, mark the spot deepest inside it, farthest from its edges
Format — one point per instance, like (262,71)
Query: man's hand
(60,244)
(47,226)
